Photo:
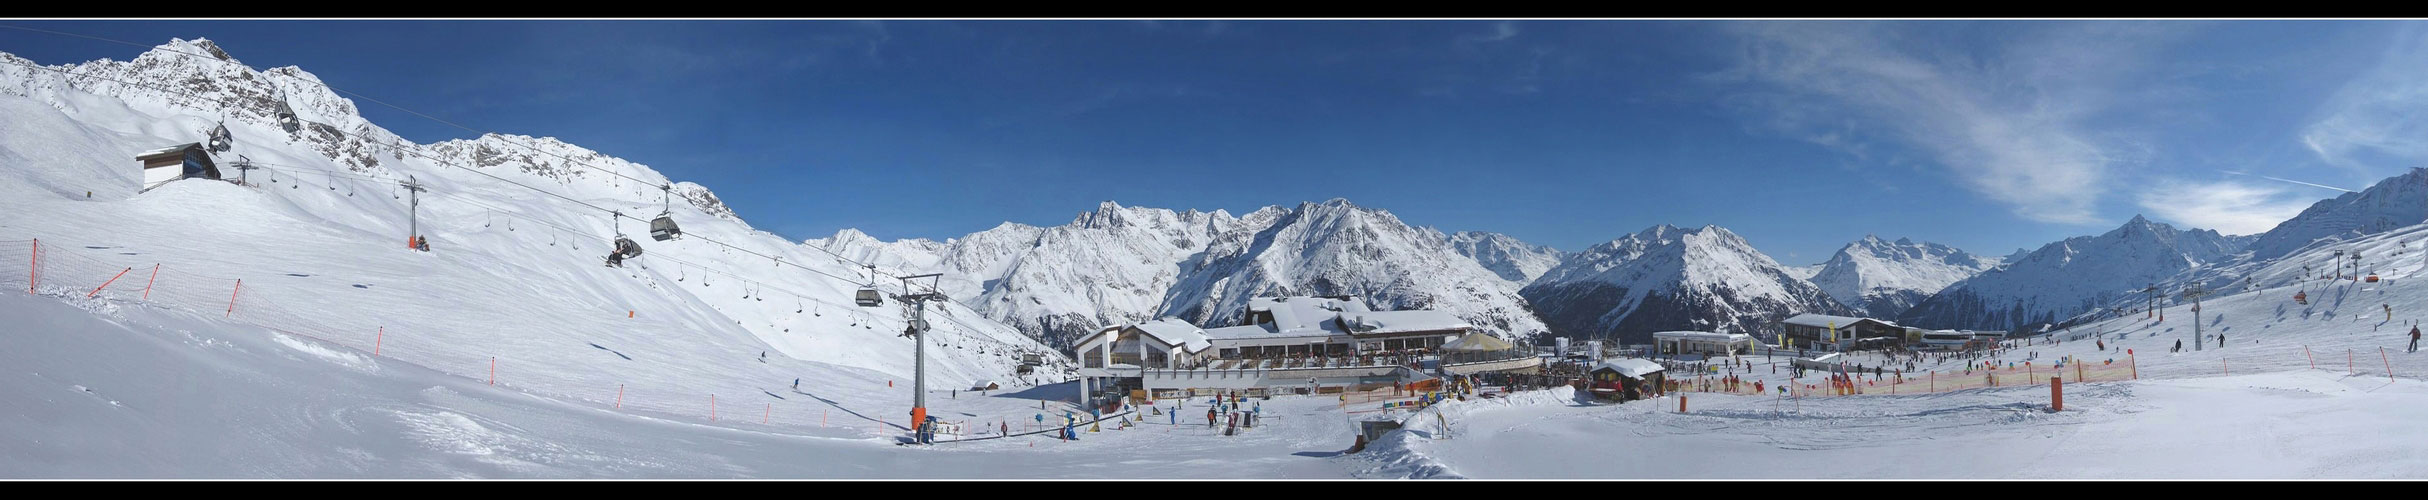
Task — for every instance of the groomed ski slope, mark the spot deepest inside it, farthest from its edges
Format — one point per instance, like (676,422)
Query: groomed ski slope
(2271,425)
(2253,409)
(103,390)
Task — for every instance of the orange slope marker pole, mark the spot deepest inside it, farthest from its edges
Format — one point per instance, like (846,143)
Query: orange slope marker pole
(2381,355)
(106,284)
(147,284)
(232,298)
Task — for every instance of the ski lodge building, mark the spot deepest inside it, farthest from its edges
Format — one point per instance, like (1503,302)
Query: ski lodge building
(1704,343)
(1287,344)
(176,162)
(1821,329)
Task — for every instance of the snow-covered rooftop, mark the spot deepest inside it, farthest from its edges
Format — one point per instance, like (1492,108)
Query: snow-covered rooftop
(1262,332)
(1478,341)
(1176,332)
(1403,321)
(167,150)
(1710,336)
(1305,313)
(1631,367)
(1325,316)
(1824,320)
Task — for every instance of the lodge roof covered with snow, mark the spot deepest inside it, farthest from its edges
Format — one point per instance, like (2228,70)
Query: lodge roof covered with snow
(1177,333)
(1329,316)
(1709,336)
(167,151)
(1824,320)
(1631,367)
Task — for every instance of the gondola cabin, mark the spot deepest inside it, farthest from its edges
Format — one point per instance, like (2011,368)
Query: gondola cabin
(177,162)
(663,228)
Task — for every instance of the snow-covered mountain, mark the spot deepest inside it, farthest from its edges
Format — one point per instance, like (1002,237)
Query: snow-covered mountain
(2395,202)
(1666,278)
(1516,261)
(1120,264)
(2067,278)
(1335,248)
(1803,272)
(514,273)
(1884,278)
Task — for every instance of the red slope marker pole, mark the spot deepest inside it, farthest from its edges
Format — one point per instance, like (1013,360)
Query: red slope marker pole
(619,395)
(147,284)
(232,298)
(106,284)
(712,407)
(2381,355)
(383,338)
(2313,359)
(493,370)
(2057,393)
(33,268)
(771,411)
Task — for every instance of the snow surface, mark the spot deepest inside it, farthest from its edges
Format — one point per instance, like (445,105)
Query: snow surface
(1667,278)
(381,361)
(1883,278)
(1514,260)
(2071,277)
(1119,265)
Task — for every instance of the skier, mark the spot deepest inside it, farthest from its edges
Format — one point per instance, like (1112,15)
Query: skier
(2179,345)
(796,385)
(2221,340)
(1210,414)
(2415,339)
(2103,344)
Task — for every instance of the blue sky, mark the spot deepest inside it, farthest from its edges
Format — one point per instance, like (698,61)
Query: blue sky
(1801,136)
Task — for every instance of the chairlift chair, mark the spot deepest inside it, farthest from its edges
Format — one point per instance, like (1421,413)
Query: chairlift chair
(868,296)
(663,227)
(626,247)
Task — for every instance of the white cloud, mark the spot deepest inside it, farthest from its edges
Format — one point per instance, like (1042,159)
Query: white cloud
(2226,206)
(2379,119)
(1501,31)
(2005,123)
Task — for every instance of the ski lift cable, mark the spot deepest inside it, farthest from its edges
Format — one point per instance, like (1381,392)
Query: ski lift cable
(501,137)
(444,162)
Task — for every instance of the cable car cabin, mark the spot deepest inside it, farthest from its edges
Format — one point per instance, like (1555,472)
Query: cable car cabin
(176,162)
(663,228)
(2372,278)
(286,118)
(868,297)
(2302,298)
(221,141)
